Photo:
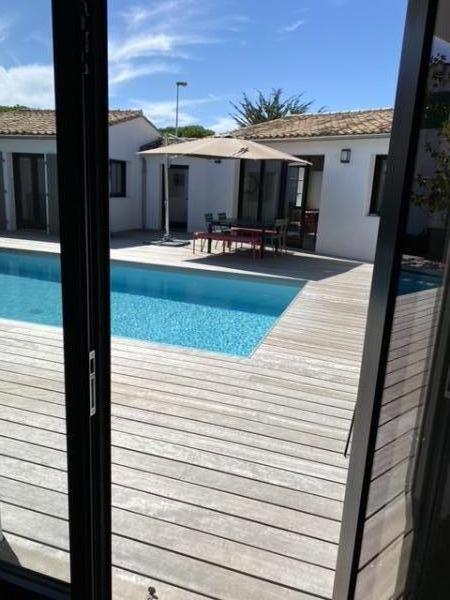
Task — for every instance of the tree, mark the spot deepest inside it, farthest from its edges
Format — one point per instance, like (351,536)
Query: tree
(433,190)
(4,108)
(269,107)
(188,131)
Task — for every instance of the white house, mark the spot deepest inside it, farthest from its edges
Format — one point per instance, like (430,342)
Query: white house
(338,195)
(28,173)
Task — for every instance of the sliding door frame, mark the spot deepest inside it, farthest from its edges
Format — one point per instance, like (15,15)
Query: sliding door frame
(17,179)
(81,78)
(81,90)
(402,152)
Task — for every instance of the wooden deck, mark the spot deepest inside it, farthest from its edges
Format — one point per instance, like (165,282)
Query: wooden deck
(228,473)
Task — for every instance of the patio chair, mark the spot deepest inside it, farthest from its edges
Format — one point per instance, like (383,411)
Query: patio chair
(209,218)
(224,221)
(217,228)
(278,239)
(283,229)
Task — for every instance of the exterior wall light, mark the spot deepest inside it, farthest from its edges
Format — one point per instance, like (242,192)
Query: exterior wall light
(345,155)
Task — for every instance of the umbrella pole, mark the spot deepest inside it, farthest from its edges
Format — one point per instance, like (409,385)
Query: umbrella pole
(166,200)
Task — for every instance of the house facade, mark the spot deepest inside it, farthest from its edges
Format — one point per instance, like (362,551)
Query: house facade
(335,200)
(28,170)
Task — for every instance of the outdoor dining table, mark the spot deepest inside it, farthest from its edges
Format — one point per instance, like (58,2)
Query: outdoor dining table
(243,226)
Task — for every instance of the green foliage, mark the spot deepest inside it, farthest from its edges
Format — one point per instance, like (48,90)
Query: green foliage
(268,107)
(4,108)
(433,193)
(188,131)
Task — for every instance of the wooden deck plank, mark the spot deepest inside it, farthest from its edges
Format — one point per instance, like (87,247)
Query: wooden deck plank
(228,474)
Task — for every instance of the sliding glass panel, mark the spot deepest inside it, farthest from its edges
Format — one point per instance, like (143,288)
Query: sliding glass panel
(295,184)
(33,458)
(390,521)
(2,193)
(271,191)
(250,189)
(29,191)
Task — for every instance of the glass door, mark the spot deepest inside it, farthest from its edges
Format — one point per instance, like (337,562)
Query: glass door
(29,191)
(249,194)
(386,497)
(54,330)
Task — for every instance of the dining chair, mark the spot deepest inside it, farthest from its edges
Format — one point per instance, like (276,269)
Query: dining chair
(279,236)
(283,225)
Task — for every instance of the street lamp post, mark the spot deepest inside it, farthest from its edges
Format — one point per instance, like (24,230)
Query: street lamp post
(179,84)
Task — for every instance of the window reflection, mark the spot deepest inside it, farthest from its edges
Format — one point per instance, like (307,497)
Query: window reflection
(390,520)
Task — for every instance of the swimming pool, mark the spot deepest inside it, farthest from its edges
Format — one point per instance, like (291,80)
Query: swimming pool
(206,311)
(414,281)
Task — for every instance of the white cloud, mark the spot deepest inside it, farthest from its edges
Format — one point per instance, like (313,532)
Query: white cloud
(31,85)
(38,37)
(164,29)
(292,27)
(5,25)
(136,15)
(145,45)
(122,72)
(163,113)
(223,125)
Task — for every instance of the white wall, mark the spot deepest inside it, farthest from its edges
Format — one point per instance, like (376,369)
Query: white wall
(342,192)
(345,227)
(125,139)
(213,187)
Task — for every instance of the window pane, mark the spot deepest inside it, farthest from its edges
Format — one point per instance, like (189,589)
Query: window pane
(117,175)
(250,189)
(271,191)
(378,184)
(33,462)
(390,520)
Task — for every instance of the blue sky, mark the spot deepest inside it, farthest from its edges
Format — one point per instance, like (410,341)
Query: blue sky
(343,54)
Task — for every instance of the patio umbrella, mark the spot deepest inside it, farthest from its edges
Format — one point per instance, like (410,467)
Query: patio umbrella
(217,148)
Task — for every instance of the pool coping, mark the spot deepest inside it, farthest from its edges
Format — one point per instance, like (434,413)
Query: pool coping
(263,278)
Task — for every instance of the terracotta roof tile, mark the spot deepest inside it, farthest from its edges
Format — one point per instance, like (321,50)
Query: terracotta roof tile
(42,122)
(362,122)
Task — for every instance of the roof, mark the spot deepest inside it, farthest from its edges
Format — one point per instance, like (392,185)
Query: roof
(361,122)
(42,122)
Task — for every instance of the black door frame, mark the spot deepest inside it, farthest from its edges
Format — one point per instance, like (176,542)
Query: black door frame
(81,87)
(400,169)
(20,224)
(81,77)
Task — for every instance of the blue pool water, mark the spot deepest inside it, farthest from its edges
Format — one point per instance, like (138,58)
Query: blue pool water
(217,313)
(411,281)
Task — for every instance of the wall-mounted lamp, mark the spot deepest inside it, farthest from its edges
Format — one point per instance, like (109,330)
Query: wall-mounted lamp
(345,155)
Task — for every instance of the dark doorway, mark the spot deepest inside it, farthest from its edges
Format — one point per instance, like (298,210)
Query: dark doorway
(259,190)
(178,197)
(2,196)
(29,191)
(302,201)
